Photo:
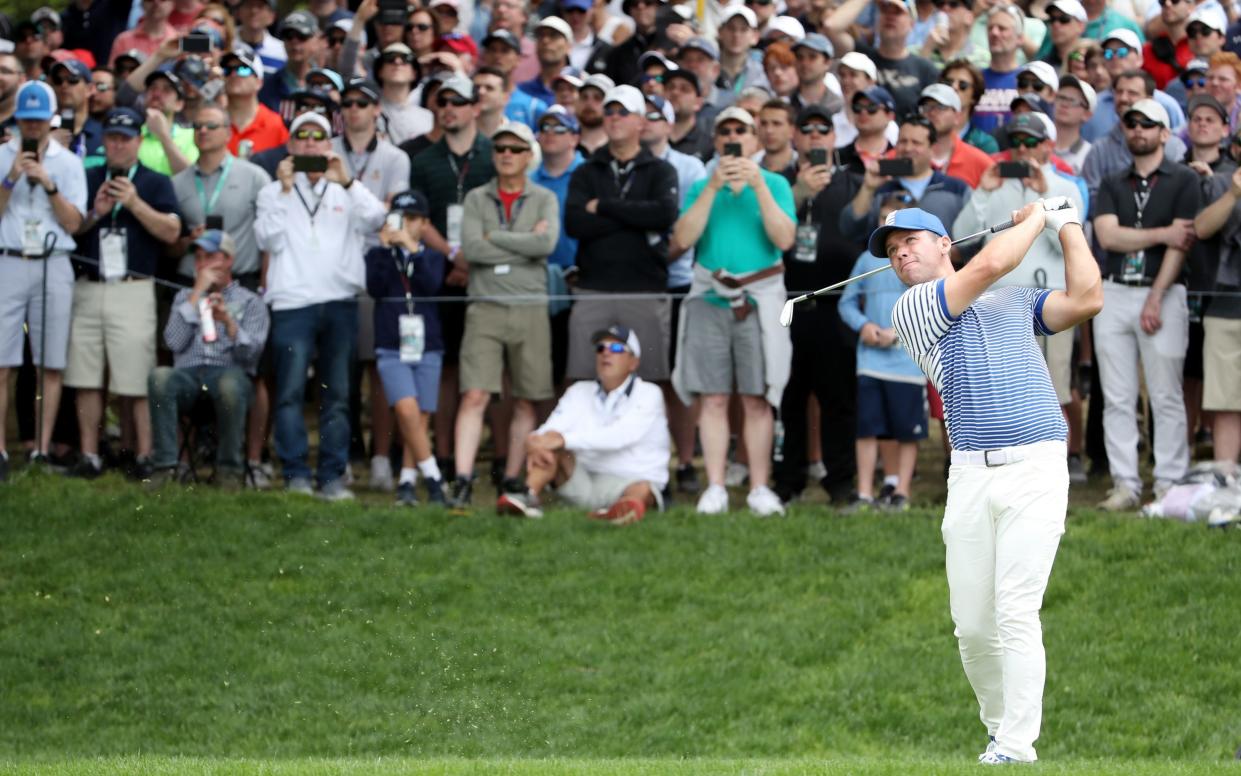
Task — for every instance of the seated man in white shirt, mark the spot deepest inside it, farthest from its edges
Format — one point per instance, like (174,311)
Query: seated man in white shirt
(606,445)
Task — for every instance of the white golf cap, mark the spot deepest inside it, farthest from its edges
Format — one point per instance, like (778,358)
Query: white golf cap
(600,82)
(1045,72)
(1211,16)
(856,60)
(1151,110)
(1071,8)
(628,96)
(787,26)
(310,117)
(518,130)
(1092,97)
(943,94)
(1125,36)
(557,24)
(1047,122)
(733,113)
(732,11)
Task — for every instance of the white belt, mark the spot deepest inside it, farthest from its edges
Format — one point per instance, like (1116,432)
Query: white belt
(1003,455)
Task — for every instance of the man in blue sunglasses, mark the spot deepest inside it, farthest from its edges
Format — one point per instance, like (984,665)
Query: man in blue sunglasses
(1122,53)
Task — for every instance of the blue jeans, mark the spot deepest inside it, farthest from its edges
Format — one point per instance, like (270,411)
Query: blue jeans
(331,329)
(175,391)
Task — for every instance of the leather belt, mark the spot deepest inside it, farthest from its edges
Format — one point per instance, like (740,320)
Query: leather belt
(741,306)
(1001,456)
(1143,283)
(19,255)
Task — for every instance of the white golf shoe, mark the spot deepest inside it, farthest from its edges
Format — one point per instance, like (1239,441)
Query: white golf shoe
(713,501)
(763,502)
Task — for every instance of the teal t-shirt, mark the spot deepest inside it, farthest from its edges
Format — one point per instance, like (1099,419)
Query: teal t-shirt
(734,239)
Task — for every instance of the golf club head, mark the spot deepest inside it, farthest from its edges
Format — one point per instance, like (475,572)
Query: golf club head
(786,314)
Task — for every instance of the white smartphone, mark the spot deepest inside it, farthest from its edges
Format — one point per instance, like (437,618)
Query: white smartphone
(395,221)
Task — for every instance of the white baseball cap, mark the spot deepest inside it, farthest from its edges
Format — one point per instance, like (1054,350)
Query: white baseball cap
(856,60)
(733,113)
(1092,97)
(558,25)
(1211,16)
(310,117)
(732,11)
(628,96)
(1125,36)
(786,25)
(1045,72)
(1151,110)
(1071,8)
(943,94)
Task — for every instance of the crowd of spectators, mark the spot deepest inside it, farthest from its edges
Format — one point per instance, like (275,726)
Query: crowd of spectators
(569,227)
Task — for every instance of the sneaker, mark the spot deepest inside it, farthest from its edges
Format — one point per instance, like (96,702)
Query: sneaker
(348,475)
(1119,499)
(1077,469)
(381,474)
(624,512)
(336,490)
(84,468)
(990,748)
(713,501)
(230,480)
(995,758)
(258,475)
(300,486)
(35,459)
(763,502)
(512,485)
(142,469)
(405,495)
(896,503)
(519,505)
(736,474)
(459,492)
(858,505)
(435,491)
(885,493)
(816,470)
(687,479)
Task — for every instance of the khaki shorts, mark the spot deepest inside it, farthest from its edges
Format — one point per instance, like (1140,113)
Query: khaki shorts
(1221,364)
(1058,352)
(516,336)
(598,490)
(650,319)
(112,332)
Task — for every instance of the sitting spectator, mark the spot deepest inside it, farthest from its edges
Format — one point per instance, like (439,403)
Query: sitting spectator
(740,219)
(605,447)
(510,226)
(891,389)
(214,357)
(134,215)
(409,344)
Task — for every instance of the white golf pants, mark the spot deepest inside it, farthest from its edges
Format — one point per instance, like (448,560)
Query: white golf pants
(1119,344)
(1002,525)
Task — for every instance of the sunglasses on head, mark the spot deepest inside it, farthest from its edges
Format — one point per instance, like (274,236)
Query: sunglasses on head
(310,134)
(554,129)
(869,108)
(356,103)
(1116,53)
(242,70)
(1132,123)
(615,110)
(611,347)
(815,129)
(444,101)
(727,131)
(419,26)
(510,149)
(212,126)
(1024,141)
(1058,18)
(61,80)
(1198,31)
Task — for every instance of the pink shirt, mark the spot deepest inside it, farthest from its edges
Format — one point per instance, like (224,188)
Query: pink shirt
(137,38)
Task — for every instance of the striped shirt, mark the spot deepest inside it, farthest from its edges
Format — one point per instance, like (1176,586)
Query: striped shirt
(985,363)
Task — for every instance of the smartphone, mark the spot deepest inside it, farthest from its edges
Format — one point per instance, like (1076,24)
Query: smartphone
(896,167)
(66,118)
(119,173)
(1014,169)
(30,146)
(395,221)
(214,222)
(310,164)
(196,43)
(818,157)
(393,12)
(732,149)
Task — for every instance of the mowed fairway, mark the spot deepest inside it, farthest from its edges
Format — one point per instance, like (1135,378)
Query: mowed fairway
(193,632)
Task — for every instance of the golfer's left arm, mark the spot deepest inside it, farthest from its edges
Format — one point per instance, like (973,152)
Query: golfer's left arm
(1082,297)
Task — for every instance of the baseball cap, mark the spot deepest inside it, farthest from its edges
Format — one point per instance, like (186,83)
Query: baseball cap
(75,68)
(1151,110)
(366,87)
(411,202)
(786,25)
(814,110)
(503,36)
(663,106)
(564,117)
(314,94)
(168,76)
(856,60)
(301,22)
(318,119)
(570,75)
(654,56)
(1071,8)
(556,24)
(341,24)
(1211,16)
(332,77)
(577,5)
(135,54)
(35,101)
(685,73)
(123,121)
(45,14)
(908,5)
(699,43)
(816,42)
(1031,100)
(877,95)
(214,240)
(1125,36)
(517,129)
(459,84)
(909,220)
(732,11)
(628,96)
(733,113)
(1027,124)
(622,334)
(397,48)
(193,71)
(1206,101)
(1195,66)
(1043,71)
(599,81)
(943,94)
(1092,97)
(240,58)
(456,43)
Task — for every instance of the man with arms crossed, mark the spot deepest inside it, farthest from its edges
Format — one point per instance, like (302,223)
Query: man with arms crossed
(1008,487)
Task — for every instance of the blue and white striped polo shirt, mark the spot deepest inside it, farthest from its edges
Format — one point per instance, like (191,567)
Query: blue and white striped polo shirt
(985,363)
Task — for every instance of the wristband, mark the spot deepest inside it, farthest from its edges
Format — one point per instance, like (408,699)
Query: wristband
(8,184)
(52,191)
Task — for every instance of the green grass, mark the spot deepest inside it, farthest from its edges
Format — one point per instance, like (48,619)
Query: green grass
(194,632)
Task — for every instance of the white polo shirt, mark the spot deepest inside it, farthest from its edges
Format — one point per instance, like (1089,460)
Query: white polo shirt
(30,203)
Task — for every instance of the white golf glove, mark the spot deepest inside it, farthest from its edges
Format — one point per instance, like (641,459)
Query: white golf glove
(1060,211)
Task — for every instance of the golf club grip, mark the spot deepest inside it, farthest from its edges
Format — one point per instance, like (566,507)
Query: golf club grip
(1009,223)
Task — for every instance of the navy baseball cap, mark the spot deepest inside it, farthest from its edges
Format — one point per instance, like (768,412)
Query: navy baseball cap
(216,240)
(76,68)
(877,95)
(908,220)
(411,203)
(123,121)
(620,334)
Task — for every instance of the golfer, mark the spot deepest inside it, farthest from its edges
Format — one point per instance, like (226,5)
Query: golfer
(1008,486)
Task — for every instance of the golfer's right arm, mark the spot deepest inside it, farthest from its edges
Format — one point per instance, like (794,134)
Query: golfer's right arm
(997,258)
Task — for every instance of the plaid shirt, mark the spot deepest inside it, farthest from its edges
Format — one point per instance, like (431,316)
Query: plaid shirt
(182,334)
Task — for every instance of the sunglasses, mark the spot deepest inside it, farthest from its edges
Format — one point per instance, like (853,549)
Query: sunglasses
(101,88)
(211,126)
(951,5)
(1030,83)
(611,347)
(758,2)
(654,116)
(554,129)
(310,134)
(1068,102)
(815,129)
(615,110)
(395,59)
(1077,56)
(1057,18)
(868,108)
(242,70)
(335,40)
(930,106)
(1195,82)
(457,102)
(1198,31)
(960,85)
(732,131)
(659,79)
(1143,123)
(419,26)
(1163,3)
(510,149)
(297,36)
(1115,53)
(72,80)
(1025,141)
(356,103)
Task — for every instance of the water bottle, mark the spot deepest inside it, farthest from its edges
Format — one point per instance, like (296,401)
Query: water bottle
(208,321)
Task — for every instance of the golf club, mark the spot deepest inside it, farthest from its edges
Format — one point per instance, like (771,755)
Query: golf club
(786,314)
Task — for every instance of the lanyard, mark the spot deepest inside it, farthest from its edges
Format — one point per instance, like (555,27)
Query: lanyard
(1140,200)
(117,207)
(209,204)
(460,173)
(627,171)
(517,203)
(368,153)
(318,203)
(405,271)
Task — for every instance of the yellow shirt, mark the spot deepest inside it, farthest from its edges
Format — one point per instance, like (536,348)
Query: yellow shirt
(151,152)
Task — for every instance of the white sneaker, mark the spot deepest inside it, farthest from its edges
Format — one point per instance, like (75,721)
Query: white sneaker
(1119,499)
(736,474)
(816,471)
(258,475)
(763,502)
(381,474)
(713,501)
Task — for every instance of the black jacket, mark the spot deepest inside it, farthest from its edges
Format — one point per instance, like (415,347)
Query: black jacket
(622,246)
(623,59)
